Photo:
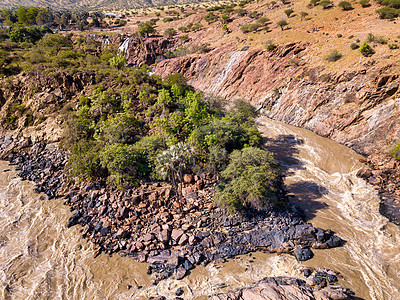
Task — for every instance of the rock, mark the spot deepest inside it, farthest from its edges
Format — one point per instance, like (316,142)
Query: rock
(74,219)
(179,273)
(179,292)
(332,278)
(176,234)
(307,272)
(303,254)
(187,178)
(148,237)
(282,288)
(183,240)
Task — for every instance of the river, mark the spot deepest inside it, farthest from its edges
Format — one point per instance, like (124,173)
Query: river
(42,259)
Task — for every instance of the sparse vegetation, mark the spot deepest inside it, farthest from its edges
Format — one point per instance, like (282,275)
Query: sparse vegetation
(282,24)
(288,12)
(334,56)
(366,50)
(365,3)
(354,46)
(303,15)
(387,13)
(345,5)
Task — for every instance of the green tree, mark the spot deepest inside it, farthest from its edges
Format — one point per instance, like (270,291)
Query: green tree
(303,14)
(8,16)
(249,181)
(170,32)
(145,29)
(282,23)
(31,15)
(118,61)
(22,15)
(173,162)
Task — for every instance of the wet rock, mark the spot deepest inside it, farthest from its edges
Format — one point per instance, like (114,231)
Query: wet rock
(74,219)
(283,288)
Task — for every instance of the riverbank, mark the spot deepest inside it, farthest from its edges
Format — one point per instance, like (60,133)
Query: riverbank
(143,224)
(383,172)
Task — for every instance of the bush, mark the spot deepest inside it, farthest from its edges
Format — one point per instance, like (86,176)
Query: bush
(345,5)
(210,18)
(170,32)
(282,23)
(354,46)
(270,45)
(393,46)
(303,14)
(250,27)
(288,12)
(365,3)
(334,56)
(366,50)
(250,181)
(387,13)
(325,4)
(263,21)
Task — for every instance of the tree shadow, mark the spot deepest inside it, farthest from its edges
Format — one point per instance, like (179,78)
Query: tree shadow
(284,147)
(306,195)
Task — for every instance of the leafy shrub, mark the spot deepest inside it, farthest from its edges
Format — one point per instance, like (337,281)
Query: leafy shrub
(354,46)
(387,13)
(249,181)
(170,32)
(303,14)
(366,50)
(325,4)
(393,46)
(288,12)
(241,12)
(263,21)
(210,18)
(118,61)
(334,56)
(365,3)
(345,5)
(282,23)
(270,45)
(250,27)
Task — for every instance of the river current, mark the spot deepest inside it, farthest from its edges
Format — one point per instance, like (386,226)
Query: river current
(42,259)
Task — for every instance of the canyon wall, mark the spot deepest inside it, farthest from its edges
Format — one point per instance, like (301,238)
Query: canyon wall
(358,109)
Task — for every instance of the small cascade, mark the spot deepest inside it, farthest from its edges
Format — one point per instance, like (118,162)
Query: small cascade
(235,58)
(124,46)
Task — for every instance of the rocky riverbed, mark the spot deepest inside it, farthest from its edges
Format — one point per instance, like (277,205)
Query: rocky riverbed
(145,223)
(382,171)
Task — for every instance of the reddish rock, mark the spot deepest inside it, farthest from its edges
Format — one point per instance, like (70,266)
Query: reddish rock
(187,178)
(176,234)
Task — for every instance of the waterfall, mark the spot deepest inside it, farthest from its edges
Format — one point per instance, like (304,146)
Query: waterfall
(235,58)
(124,46)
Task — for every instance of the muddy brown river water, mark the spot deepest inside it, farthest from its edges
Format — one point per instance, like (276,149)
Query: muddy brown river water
(42,259)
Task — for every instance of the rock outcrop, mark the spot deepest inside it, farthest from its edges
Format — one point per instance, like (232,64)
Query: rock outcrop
(284,288)
(357,109)
(149,224)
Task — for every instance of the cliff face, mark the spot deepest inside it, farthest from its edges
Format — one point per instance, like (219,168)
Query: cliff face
(358,109)
(30,107)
